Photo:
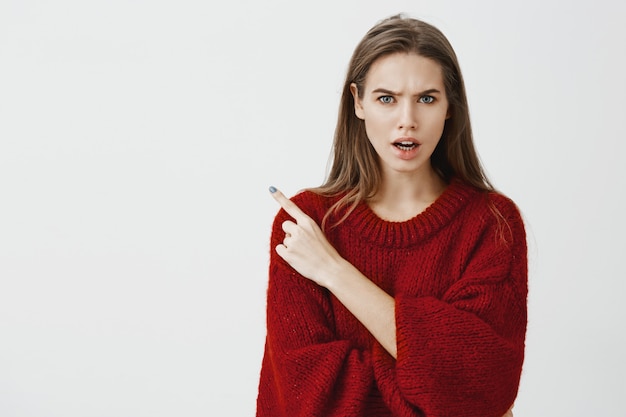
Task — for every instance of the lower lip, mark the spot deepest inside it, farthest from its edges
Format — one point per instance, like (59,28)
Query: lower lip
(406,154)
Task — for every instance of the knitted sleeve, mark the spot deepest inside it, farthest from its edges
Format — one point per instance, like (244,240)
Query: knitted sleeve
(462,355)
(308,371)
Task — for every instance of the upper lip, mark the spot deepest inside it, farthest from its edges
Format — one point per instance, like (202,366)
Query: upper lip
(407,139)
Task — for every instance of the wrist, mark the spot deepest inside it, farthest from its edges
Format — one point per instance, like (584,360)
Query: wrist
(335,274)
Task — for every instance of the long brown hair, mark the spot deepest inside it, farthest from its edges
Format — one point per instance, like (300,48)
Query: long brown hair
(355,169)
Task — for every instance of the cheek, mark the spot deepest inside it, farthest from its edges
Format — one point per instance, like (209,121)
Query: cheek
(437,120)
(441,123)
(376,135)
(376,128)
(377,118)
(371,133)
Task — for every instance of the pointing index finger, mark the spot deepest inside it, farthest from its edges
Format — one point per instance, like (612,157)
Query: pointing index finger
(289,206)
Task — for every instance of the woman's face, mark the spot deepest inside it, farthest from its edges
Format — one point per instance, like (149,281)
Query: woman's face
(404,107)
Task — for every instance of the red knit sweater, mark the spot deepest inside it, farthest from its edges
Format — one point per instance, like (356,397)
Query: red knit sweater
(458,273)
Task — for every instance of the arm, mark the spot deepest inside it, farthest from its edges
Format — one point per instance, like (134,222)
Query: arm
(307,370)
(461,354)
(306,249)
(372,306)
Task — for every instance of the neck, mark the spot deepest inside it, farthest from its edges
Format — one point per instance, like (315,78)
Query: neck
(402,196)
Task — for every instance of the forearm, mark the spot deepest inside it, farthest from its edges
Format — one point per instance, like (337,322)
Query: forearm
(372,306)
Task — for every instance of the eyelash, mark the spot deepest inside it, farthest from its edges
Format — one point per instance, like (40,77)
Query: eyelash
(388,99)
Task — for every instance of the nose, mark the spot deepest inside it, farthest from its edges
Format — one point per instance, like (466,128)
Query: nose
(407,118)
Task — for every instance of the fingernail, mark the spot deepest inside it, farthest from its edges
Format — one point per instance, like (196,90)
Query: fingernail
(273,189)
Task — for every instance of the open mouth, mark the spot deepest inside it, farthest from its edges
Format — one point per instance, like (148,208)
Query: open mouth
(405,145)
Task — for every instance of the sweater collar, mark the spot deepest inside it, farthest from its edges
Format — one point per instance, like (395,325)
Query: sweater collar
(406,233)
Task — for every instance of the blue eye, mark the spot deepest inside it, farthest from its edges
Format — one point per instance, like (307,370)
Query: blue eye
(386,99)
(427,99)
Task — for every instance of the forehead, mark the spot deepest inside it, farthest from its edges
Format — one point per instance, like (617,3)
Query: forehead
(401,71)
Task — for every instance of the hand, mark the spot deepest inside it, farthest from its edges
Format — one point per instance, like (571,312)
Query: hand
(305,247)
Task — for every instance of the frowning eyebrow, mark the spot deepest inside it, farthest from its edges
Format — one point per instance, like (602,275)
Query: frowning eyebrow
(394,93)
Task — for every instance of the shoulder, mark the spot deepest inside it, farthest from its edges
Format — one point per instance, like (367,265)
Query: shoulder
(492,227)
(493,212)
(480,201)
(507,207)
(507,218)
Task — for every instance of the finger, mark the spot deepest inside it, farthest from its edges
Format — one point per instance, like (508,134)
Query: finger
(289,227)
(289,206)
(281,250)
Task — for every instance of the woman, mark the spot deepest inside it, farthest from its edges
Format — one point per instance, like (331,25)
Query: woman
(398,288)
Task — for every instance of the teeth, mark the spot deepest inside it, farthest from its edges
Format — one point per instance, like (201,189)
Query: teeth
(405,145)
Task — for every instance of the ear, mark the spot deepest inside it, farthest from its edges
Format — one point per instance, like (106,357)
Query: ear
(358,104)
(448,114)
